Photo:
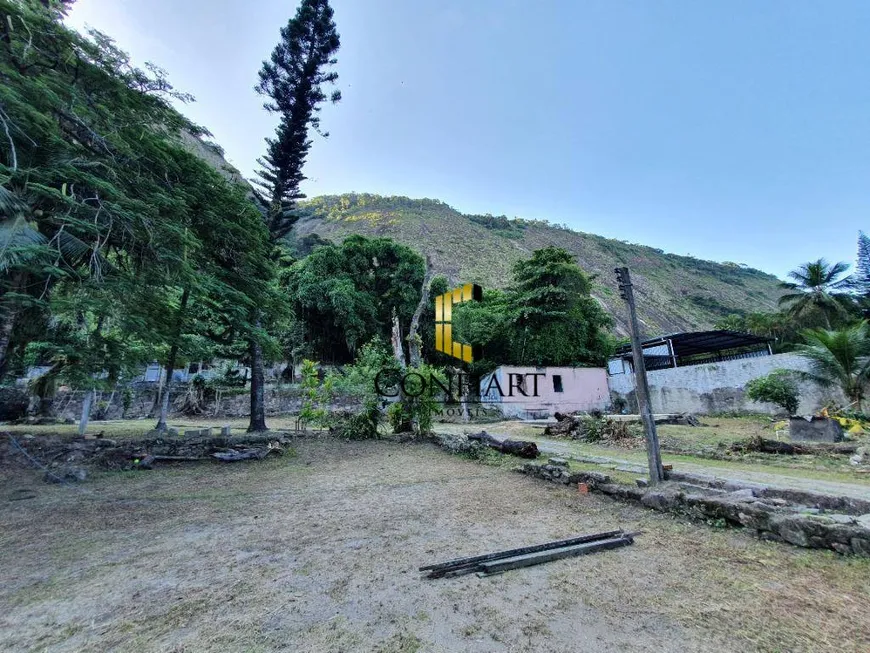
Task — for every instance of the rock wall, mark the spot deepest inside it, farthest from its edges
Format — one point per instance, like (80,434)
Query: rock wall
(280,400)
(718,387)
(833,523)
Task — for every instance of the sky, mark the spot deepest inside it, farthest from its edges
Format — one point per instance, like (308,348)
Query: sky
(730,130)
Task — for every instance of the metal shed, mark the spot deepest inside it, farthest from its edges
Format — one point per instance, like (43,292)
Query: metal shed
(692,348)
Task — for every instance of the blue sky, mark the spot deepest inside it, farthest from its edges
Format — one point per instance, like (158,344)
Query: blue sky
(729,130)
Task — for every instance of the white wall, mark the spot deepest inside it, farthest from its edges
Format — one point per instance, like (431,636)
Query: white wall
(718,387)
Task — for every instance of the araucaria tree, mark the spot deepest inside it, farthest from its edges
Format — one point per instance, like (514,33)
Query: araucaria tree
(294,81)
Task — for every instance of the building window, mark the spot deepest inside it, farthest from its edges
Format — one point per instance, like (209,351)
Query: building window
(557,383)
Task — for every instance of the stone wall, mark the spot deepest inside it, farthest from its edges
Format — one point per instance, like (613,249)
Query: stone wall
(834,523)
(280,400)
(718,387)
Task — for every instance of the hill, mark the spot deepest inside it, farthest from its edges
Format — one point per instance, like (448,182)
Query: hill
(674,293)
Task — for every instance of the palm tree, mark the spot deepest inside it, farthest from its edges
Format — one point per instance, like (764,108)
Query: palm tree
(814,290)
(839,358)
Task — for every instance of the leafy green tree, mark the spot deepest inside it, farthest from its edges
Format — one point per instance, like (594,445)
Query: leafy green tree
(345,294)
(816,293)
(415,409)
(293,80)
(778,388)
(88,345)
(547,317)
(839,359)
(359,380)
(103,200)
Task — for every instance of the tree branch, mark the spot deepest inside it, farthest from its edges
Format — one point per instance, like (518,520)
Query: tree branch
(5,120)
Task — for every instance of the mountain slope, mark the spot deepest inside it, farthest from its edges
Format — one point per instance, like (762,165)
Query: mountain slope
(673,293)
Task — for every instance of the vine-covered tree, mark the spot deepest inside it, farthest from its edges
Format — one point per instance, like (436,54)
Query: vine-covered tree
(293,81)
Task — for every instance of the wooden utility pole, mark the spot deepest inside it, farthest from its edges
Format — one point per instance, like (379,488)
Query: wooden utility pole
(656,473)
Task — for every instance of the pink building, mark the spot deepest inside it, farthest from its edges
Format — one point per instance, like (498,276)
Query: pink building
(539,392)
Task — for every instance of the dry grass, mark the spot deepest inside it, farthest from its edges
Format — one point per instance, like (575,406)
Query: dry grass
(137,428)
(318,552)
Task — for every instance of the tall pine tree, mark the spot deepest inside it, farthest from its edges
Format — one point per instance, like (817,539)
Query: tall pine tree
(293,80)
(861,276)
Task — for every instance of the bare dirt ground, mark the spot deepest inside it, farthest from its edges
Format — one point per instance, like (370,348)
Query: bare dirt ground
(318,552)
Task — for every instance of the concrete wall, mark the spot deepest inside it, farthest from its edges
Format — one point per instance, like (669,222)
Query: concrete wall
(583,388)
(718,387)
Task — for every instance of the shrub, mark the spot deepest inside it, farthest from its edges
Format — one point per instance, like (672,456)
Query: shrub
(315,396)
(362,425)
(418,411)
(126,400)
(778,388)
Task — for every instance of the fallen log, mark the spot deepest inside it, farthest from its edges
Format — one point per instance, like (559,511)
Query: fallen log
(764,445)
(521,448)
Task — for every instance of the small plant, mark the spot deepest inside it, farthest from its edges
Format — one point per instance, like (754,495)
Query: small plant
(315,396)
(100,411)
(414,412)
(126,400)
(362,425)
(400,419)
(778,388)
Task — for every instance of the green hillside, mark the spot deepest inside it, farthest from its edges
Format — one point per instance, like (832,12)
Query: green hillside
(674,293)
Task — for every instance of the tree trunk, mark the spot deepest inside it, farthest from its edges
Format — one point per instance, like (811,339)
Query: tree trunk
(258,402)
(8,315)
(521,448)
(164,396)
(170,362)
(86,412)
(415,342)
(396,341)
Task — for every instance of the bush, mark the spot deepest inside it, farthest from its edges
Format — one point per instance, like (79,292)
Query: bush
(315,396)
(415,413)
(778,388)
(363,425)
(358,380)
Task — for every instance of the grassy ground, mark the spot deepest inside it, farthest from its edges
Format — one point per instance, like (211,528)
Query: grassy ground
(318,552)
